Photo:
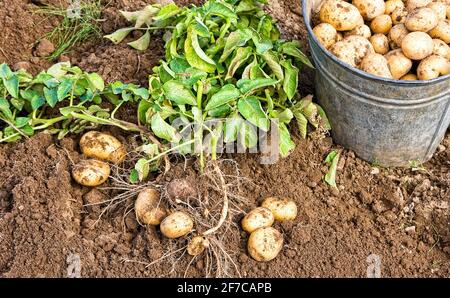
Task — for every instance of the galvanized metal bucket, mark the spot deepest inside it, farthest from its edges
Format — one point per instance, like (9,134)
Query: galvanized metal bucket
(388,122)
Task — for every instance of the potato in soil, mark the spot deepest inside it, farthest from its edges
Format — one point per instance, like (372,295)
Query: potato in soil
(180,189)
(91,172)
(148,207)
(265,244)
(197,245)
(282,209)
(176,225)
(257,218)
(102,146)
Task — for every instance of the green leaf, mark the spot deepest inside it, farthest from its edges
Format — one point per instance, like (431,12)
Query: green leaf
(96,81)
(142,43)
(17,103)
(286,143)
(51,96)
(163,130)
(179,94)
(225,95)
(323,118)
(142,167)
(145,16)
(222,10)
(292,49)
(231,128)
(246,6)
(143,107)
(10,80)
(285,116)
(246,85)
(4,108)
(242,54)
(302,123)
(167,12)
(179,65)
(262,44)
(236,39)
(272,61)
(248,136)
(332,159)
(195,55)
(21,121)
(119,35)
(5,71)
(311,113)
(141,93)
(200,28)
(28,130)
(290,82)
(134,176)
(37,102)
(57,71)
(64,89)
(66,111)
(192,75)
(251,109)
(220,112)
(246,74)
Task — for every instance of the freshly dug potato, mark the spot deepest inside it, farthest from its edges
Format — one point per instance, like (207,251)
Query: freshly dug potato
(433,67)
(197,245)
(421,19)
(377,65)
(441,48)
(91,172)
(326,34)
(102,146)
(398,16)
(352,49)
(380,43)
(413,4)
(370,9)
(176,225)
(392,5)
(362,30)
(381,24)
(417,45)
(180,189)
(283,209)
(441,31)
(396,35)
(440,9)
(341,15)
(410,77)
(148,207)
(265,244)
(398,63)
(257,218)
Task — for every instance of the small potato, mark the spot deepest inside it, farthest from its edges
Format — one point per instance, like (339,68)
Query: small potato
(362,30)
(180,189)
(380,43)
(265,244)
(398,16)
(341,15)
(352,49)
(433,67)
(398,63)
(409,77)
(257,218)
(391,5)
(381,24)
(413,4)
(102,146)
(148,207)
(282,209)
(441,48)
(91,172)
(176,225)
(197,245)
(440,9)
(441,31)
(370,9)
(377,65)
(396,35)
(417,45)
(326,34)
(421,19)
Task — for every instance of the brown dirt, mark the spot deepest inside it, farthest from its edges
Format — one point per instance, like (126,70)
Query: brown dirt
(44,219)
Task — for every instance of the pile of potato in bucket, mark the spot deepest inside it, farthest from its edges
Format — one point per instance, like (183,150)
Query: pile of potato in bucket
(394,39)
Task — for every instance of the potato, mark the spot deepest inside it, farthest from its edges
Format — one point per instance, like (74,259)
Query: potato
(352,49)
(326,34)
(433,67)
(413,4)
(148,207)
(283,209)
(398,63)
(391,5)
(377,65)
(417,45)
(197,245)
(381,24)
(176,225)
(421,19)
(380,43)
(91,172)
(398,16)
(180,189)
(102,146)
(409,77)
(362,30)
(441,31)
(265,244)
(257,218)
(440,9)
(396,35)
(340,14)
(441,48)
(370,9)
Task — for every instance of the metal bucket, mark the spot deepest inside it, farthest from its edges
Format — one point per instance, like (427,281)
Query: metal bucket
(388,122)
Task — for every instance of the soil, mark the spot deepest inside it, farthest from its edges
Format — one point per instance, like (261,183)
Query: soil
(47,220)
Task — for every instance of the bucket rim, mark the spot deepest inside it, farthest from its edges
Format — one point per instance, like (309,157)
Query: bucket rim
(356,71)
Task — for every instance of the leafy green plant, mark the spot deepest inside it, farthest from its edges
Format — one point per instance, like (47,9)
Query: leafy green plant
(332,160)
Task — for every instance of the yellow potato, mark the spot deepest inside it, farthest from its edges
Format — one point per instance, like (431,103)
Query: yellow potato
(370,9)
(409,77)
(441,31)
(421,19)
(381,24)
(398,63)
(197,245)
(341,15)
(326,34)
(377,65)
(413,4)
(257,218)
(396,35)
(391,5)
(176,225)
(352,49)
(91,172)
(148,207)
(441,48)
(283,209)
(417,45)
(398,16)
(380,43)
(362,30)
(265,244)
(102,146)
(440,9)
(432,67)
